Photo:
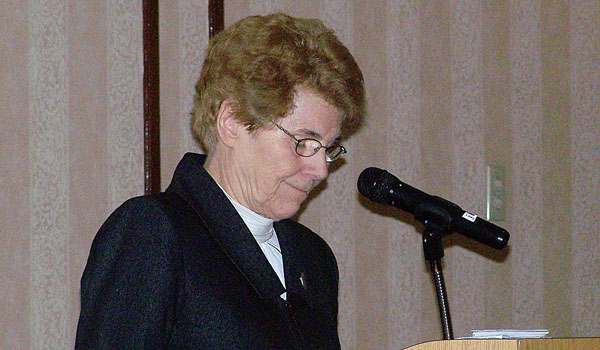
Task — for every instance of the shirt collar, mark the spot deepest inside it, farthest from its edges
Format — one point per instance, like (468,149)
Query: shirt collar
(260,226)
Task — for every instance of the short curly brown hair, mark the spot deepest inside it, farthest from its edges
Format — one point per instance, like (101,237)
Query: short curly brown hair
(260,61)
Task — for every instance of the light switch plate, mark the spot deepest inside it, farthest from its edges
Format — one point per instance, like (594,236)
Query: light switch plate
(496,196)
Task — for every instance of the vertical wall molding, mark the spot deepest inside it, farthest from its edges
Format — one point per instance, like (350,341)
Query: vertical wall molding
(151,89)
(49,174)
(216,17)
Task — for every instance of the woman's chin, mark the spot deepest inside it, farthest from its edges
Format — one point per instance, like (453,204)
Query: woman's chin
(284,212)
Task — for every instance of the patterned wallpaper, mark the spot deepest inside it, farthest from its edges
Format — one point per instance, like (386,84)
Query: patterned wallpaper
(526,160)
(49,174)
(584,279)
(453,86)
(125,108)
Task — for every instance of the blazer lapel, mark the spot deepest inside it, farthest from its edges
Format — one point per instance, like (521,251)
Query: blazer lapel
(225,225)
(297,280)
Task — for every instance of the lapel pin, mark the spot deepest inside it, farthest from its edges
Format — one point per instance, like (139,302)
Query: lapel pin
(303,280)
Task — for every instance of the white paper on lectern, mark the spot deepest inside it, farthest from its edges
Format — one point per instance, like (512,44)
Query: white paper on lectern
(509,333)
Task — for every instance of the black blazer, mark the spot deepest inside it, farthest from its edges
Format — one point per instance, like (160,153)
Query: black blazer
(180,270)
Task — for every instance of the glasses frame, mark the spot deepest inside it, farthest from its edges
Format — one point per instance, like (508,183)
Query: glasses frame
(297,141)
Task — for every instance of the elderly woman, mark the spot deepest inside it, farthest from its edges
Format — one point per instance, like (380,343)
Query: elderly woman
(215,262)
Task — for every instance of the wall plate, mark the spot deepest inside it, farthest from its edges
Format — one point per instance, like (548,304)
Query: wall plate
(496,196)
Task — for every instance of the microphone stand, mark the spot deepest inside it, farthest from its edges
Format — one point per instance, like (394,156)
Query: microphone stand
(437,225)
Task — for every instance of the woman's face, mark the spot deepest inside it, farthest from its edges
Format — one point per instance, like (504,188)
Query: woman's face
(273,179)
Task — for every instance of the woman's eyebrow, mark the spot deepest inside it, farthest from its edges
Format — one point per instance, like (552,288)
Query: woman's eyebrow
(318,136)
(310,133)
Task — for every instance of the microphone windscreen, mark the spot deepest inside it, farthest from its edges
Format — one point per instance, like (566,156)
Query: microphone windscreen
(369,184)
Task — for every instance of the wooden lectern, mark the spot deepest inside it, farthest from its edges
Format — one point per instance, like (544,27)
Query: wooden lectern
(511,344)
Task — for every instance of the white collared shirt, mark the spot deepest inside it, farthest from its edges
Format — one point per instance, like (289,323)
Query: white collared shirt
(264,233)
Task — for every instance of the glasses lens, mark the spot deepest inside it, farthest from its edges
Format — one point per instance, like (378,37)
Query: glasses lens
(334,152)
(308,147)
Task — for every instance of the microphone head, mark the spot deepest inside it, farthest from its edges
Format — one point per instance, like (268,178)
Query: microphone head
(382,187)
(373,185)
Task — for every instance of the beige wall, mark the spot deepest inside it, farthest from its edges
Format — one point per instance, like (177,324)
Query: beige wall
(453,86)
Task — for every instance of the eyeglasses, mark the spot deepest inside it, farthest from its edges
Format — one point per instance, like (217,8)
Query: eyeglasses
(309,147)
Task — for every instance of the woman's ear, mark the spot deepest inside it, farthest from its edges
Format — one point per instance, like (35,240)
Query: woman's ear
(228,127)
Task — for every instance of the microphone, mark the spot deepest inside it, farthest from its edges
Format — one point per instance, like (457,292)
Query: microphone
(382,187)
